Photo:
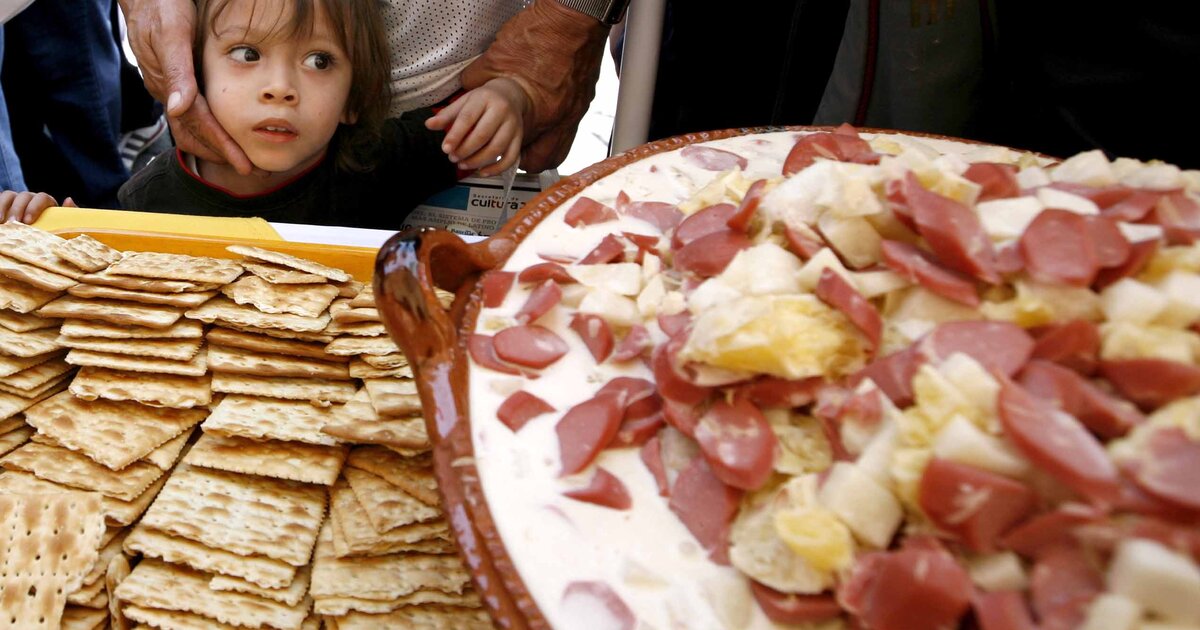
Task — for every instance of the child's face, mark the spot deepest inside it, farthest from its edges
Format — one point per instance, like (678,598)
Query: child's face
(280,98)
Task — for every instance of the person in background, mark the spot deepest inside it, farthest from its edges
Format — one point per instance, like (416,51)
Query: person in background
(10,166)
(435,48)
(299,86)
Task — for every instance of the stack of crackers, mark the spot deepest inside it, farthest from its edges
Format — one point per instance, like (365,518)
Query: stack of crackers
(307,496)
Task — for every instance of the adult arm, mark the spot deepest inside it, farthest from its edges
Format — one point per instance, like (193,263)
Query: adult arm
(554,53)
(161,34)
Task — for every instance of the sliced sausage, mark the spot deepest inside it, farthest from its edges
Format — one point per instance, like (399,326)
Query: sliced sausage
(1057,443)
(740,221)
(953,232)
(1062,584)
(1152,383)
(595,333)
(651,456)
(836,292)
(1099,411)
(609,249)
(1003,610)
(711,159)
(672,325)
(1050,529)
(682,416)
(791,608)
(1002,347)
(633,344)
(604,490)
(1171,468)
(708,255)
(841,147)
(704,222)
(738,443)
(586,429)
(706,506)
(974,505)
(671,384)
(600,603)
(1140,253)
(1134,207)
(482,349)
(1074,344)
(1057,247)
(1111,247)
(911,588)
(562,259)
(893,374)
(530,346)
(661,215)
(545,297)
(1102,196)
(802,246)
(772,392)
(1179,215)
(996,181)
(536,274)
(645,244)
(586,211)
(917,266)
(496,285)
(1009,260)
(521,407)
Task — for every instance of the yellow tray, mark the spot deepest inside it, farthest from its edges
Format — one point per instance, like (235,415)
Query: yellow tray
(357,261)
(83,219)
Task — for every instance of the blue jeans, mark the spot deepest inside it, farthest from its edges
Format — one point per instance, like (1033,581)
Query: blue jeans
(10,167)
(62,79)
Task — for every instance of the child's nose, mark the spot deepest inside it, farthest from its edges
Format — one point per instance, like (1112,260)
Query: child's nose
(279,93)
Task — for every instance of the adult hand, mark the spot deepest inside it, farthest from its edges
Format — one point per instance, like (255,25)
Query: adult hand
(160,34)
(555,54)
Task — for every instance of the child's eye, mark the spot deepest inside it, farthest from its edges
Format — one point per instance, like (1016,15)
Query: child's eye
(319,60)
(244,54)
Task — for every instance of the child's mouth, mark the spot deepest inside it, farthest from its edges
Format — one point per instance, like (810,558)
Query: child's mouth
(276,131)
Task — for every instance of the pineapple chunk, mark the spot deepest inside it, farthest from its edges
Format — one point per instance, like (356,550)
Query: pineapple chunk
(1006,219)
(757,550)
(1122,340)
(790,336)
(876,456)
(1032,177)
(803,447)
(853,237)
(619,278)
(998,572)
(1110,611)
(873,284)
(764,269)
(817,536)
(617,310)
(810,273)
(720,189)
(1159,176)
(950,185)
(1054,198)
(1171,259)
(973,381)
(1131,301)
(1183,296)
(867,508)
(963,442)
(1183,414)
(1091,168)
(919,304)
(907,468)
(651,297)
(713,293)
(1038,304)
(1163,581)
(939,401)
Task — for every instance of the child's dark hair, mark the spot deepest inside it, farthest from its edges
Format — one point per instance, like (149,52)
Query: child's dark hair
(359,27)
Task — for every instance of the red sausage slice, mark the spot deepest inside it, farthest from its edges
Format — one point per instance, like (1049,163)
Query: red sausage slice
(1074,344)
(893,374)
(1102,196)
(586,429)
(661,215)
(597,598)
(1152,383)
(1179,214)
(831,146)
(545,297)
(1057,443)
(482,349)
(562,259)
(998,181)
(1009,260)
(706,506)
(704,222)
(1062,584)
(740,221)
(604,490)
(953,232)
(587,211)
(802,246)
(836,292)
(672,325)
(1111,247)
(1172,468)
(496,285)
(1003,610)
(972,504)
(1050,529)
(541,272)
(711,159)
(633,345)
(738,443)
(998,346)
(671,384)
(914,587)
(790,608)
(773,392)
(708,255)
(681,416)
(1100,412)
(595,333)
(651,456)
(609,249)
(530,346)
(1140,253)
(1134,207)
(1057,247)
(521,407)
(917,266)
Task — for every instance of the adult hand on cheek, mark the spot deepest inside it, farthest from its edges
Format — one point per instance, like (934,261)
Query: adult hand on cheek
(554,53)
(160,34)
(26,207)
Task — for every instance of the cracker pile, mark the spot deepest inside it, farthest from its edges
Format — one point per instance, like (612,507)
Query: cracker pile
(308,493)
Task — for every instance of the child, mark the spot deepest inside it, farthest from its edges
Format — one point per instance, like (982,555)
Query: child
(300,85)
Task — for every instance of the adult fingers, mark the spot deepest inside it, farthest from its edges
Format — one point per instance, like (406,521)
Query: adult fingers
(198,132)
(160,34)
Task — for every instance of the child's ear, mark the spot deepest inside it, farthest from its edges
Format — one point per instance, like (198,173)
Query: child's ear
(348,117)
